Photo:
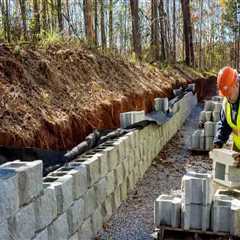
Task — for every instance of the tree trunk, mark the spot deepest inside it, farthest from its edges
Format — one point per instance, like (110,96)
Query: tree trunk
(24,19)
(111,23)
(36,28)
(96,21)
(174,31)
(162,30)
(187,28)
(88,21)
(103,34)
(200,35)
(135,29)
(68,18)
(59,14)
(44,16)
(53,18)
(155,48)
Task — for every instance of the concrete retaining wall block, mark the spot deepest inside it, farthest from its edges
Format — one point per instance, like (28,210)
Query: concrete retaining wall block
(42,235)
(86,231)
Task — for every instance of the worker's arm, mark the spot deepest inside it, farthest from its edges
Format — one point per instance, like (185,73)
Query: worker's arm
(223,131)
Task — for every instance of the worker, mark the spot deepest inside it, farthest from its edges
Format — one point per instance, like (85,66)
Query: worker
(228,86)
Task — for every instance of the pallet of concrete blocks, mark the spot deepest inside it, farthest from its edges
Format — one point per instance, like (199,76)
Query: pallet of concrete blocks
(167,210)
(196,200)
(225,171)
(129,118)
(161,104)
(225,215)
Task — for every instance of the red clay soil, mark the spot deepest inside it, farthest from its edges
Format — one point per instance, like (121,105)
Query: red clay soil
(53,98)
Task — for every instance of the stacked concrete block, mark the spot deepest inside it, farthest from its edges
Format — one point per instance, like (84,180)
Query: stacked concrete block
(195,139)
(217,98)
(216,116)
(167,211)
(129,118)
(225,212)
(9,197)
(29,177)
(224,170)
(197,198)
(161,104)
(209,105)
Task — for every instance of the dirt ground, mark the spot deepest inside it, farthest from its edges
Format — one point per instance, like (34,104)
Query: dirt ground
(52,98)
(134,219)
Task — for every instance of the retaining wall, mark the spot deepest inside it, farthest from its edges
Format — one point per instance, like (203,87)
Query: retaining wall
(73,202)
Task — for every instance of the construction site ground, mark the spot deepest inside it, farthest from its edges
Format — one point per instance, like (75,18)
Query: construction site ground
(134,219)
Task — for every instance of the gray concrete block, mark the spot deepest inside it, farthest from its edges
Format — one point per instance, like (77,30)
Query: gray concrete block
(209,105)
(113,157)
(202,116)
(209,143)
(217,98)
(161,104)
(79,176)
(111,182)
(29,176)
(92,164)
(217,106)
(59,228)
(116,198)
(119,174)
(45,208)
(197,188)
(216,116)
(76,215)
(63,186)
(81,185)
(86,231)
(97,220)
(74,236)
(202,140)
(107,208)
(235,218)
(101,190)
(209,128)
(22,225)
(129,118)
(90,201)
(9,197)
(43,235)
(196,216)
(4,232)
(167,211)
(195,139)
(208,115)
(123,189)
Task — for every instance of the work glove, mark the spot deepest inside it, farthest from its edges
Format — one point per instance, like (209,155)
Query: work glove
(237,161)
(215,145)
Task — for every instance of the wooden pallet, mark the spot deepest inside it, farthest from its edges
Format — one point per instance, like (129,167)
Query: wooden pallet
(160,233)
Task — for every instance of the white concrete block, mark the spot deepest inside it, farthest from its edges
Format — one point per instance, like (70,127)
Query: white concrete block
(167,211)
(9,197)
(217,106)
(63,186)
(116,198)
(123,189)
(45,207)
(107,208)
(113,157)
(29,176)
(59,228)
(76,215)
(196,216)
(209,105)
(101,190)
(79,175)
(161,104)
(97,220)
(22,225)
(235,218)
(74,236)
(43,235)
(202,140)
(90,201)
(197,188)
(86,231)
(209,143)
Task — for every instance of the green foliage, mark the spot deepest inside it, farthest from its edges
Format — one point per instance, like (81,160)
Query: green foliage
(230,15)
(50,38)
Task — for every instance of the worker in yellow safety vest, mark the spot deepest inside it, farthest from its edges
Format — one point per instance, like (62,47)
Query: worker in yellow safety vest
(228,86)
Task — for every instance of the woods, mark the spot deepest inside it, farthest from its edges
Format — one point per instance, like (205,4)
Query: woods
(204,34)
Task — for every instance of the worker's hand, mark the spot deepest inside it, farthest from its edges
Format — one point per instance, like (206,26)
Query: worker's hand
(201,124)
(215,145)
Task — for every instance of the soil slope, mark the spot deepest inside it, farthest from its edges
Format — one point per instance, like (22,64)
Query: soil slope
(52,98)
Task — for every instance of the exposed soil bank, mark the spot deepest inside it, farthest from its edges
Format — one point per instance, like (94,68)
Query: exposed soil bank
(53,98)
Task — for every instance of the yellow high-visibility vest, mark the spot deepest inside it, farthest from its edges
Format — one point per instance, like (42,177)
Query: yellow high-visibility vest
(235,127)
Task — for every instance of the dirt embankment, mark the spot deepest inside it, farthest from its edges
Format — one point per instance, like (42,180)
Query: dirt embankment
(53,98)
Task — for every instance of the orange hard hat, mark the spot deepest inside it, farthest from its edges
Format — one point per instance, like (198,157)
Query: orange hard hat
(226,79)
